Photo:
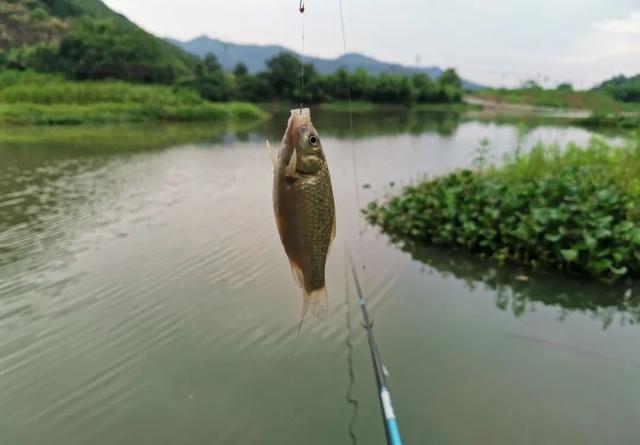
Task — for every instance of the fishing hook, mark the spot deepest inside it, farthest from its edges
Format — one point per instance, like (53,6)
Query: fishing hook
(301,7)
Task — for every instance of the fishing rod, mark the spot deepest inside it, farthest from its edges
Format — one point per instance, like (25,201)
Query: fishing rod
(391,428)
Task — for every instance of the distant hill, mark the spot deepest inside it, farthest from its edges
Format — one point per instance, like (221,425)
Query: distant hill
(25,23)
(255,56)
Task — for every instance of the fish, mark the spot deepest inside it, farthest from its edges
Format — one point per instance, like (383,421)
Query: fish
(304,209)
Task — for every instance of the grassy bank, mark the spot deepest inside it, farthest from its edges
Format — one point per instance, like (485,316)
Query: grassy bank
(622,121)
(576,209)
(539,97)
(118,137)
(37,99)
(606,112)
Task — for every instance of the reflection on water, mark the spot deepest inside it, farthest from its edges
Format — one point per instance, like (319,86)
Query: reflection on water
(144,298)
(377,123)
(351,400)
(520,294)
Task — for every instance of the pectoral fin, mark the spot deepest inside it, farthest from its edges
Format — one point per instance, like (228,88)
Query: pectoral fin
(290,171)
(333,228)
(271,154)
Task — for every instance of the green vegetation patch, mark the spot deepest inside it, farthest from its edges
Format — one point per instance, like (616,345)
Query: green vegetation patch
(552,98)
(102,113)
(28,22)
(625,89)
(37,99)
(575,209)
(622,121)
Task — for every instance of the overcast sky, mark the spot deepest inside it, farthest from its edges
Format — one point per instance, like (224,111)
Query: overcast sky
(496,42)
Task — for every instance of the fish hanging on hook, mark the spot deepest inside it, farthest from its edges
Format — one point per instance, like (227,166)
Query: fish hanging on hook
(304,208)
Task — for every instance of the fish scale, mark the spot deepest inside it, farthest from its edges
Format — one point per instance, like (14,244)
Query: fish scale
(319,210)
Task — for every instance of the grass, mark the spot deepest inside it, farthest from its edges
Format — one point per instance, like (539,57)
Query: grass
(538,97)
(108,113)
(622,121)
(575,209)
(104,139)
(38,99)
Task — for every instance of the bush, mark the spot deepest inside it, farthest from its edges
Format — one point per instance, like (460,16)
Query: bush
(576,210)
(42,57)
(625,89)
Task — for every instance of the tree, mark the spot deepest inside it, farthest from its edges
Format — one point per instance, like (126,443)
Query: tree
(240,70)
(531,85)
(283,73)
(392,89)
(41,57)
(450,77)
(107,49)
(425,88)
(254,88)
(211,64)
(622,88)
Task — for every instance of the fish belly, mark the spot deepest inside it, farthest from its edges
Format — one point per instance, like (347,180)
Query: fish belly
(305,213)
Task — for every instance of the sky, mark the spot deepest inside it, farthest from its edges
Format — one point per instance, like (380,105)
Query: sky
(494,42)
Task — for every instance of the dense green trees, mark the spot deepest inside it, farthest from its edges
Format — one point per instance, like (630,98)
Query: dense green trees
(84,40)
(97,49)
(283,81)
(106,49)
(625,89)
(101,49)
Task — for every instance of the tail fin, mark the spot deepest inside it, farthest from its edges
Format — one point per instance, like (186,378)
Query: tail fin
(316,300)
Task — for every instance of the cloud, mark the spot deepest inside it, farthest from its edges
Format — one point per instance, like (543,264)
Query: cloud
(612,47)
(629,25)
(495,41)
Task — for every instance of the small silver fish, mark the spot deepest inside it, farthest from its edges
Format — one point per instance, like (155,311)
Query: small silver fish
(304,208)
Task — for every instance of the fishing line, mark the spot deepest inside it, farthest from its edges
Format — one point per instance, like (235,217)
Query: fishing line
(391,428)
(301,9)
(354,162)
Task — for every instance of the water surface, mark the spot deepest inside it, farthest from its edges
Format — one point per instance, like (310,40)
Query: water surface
(145,299)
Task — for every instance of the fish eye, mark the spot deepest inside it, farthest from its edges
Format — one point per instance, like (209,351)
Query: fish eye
(313,139)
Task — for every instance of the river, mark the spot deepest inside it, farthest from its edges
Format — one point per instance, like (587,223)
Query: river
(145,299)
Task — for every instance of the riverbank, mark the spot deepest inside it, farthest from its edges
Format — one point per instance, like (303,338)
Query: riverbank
(575,209)
(110,113)
(39,99)
(581,108)
(550,99)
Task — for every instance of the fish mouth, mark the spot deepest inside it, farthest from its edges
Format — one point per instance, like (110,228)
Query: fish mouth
(301,115)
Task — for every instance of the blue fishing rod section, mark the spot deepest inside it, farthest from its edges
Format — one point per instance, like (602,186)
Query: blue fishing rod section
(389,418)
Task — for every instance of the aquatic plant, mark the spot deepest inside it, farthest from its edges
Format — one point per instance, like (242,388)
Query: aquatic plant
(576,209)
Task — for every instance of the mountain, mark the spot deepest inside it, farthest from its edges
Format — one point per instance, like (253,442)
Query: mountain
(255,56)
(97,36)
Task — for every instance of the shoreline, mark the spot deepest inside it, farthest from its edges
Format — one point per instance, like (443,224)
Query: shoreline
(22,114)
